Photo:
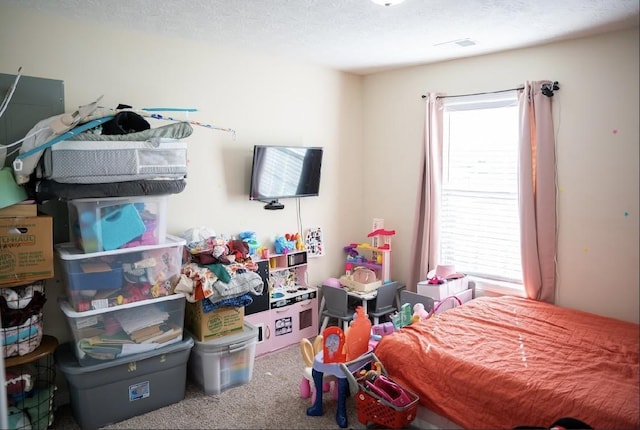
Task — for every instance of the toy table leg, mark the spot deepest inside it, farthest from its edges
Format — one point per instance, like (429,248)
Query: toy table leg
(341,411)
(316,409)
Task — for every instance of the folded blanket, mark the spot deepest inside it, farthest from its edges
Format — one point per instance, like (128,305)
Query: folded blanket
(236,302)
(240,283)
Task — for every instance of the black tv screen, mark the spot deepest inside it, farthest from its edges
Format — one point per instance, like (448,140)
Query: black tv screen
(285,171)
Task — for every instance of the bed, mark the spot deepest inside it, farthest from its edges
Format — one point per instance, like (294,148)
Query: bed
(502,362)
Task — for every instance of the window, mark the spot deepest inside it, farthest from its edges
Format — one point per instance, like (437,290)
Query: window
(480,228)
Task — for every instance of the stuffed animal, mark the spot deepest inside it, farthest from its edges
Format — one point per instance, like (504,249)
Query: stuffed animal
(419,313)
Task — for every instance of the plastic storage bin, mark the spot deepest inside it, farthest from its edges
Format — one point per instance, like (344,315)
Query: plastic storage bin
(110,392)
(108,334)
(225,362)
(105,279)
(117,222)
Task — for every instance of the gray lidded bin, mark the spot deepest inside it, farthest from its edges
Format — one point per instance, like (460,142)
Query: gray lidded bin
(226,362)
(113,391)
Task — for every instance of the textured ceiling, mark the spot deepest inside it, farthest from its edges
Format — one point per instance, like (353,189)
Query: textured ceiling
(356,35)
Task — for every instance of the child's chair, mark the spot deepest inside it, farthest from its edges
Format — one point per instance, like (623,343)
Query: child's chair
(385,300)
(336,306)
(413,298)
(307,387)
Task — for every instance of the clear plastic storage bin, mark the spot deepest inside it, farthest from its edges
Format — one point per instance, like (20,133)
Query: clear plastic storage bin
(108,334)
(225,362)
(117,222)
(106,279)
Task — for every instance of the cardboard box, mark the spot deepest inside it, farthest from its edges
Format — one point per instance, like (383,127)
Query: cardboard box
(19,210)
(441,291)
(26,250)
(206,326)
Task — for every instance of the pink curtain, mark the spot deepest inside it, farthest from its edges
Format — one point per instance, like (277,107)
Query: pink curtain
(537,192)
(427,224)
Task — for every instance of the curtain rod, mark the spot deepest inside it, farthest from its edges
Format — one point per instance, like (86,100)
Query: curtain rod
(477,94)
(547,90)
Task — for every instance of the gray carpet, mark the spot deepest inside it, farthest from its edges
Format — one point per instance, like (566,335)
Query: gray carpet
(271,400)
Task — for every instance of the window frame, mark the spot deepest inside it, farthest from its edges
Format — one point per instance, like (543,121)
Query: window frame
(490,282)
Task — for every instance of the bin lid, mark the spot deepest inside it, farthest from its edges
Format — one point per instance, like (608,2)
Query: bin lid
(68,362)
(69,251)
(68,310)
(249,331)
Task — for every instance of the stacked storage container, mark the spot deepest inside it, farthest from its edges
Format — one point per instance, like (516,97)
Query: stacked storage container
(115,171)
(120,269)
(120,295)
(125,387)
(226,362)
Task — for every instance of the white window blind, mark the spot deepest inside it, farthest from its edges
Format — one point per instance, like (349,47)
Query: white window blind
(479,219)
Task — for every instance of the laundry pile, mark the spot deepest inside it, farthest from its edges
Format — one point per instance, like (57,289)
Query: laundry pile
(219,271)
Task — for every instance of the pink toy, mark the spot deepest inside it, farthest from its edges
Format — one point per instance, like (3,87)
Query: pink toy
(383,329)
(332,282)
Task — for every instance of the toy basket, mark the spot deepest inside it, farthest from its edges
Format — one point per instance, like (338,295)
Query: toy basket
(370,407)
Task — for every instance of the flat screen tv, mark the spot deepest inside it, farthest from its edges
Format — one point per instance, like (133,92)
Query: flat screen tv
(280,172)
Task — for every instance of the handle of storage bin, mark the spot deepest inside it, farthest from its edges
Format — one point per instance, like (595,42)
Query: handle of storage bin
(235,347)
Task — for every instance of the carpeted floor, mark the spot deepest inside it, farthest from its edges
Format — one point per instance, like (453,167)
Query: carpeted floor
(271,400)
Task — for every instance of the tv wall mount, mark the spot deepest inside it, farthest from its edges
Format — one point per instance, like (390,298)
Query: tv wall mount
(273,205)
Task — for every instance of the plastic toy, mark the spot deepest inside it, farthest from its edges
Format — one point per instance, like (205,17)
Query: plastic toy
(283,245)
(357,337)
(333,345)
(383,329)
(402,318)
(378,331)
(250,238)
(309,351)
(375,255)
(296,240)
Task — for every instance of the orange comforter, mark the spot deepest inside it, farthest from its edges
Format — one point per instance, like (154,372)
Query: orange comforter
(501,362)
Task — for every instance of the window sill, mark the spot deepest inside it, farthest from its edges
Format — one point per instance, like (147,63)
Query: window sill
(491,287)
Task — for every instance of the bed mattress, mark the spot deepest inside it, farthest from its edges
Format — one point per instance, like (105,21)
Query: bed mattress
(505,362)
(158,153)
(47,189)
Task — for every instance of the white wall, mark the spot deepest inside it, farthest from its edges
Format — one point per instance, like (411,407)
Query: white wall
(266,100)
(596,113)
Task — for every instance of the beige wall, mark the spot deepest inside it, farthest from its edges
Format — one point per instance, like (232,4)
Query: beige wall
(596,114)
(266,100)
(371,128)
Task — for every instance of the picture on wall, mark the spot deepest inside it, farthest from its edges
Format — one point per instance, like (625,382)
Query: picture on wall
(313,242)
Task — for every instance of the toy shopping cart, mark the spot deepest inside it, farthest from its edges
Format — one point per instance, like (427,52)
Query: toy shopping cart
(379,399)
